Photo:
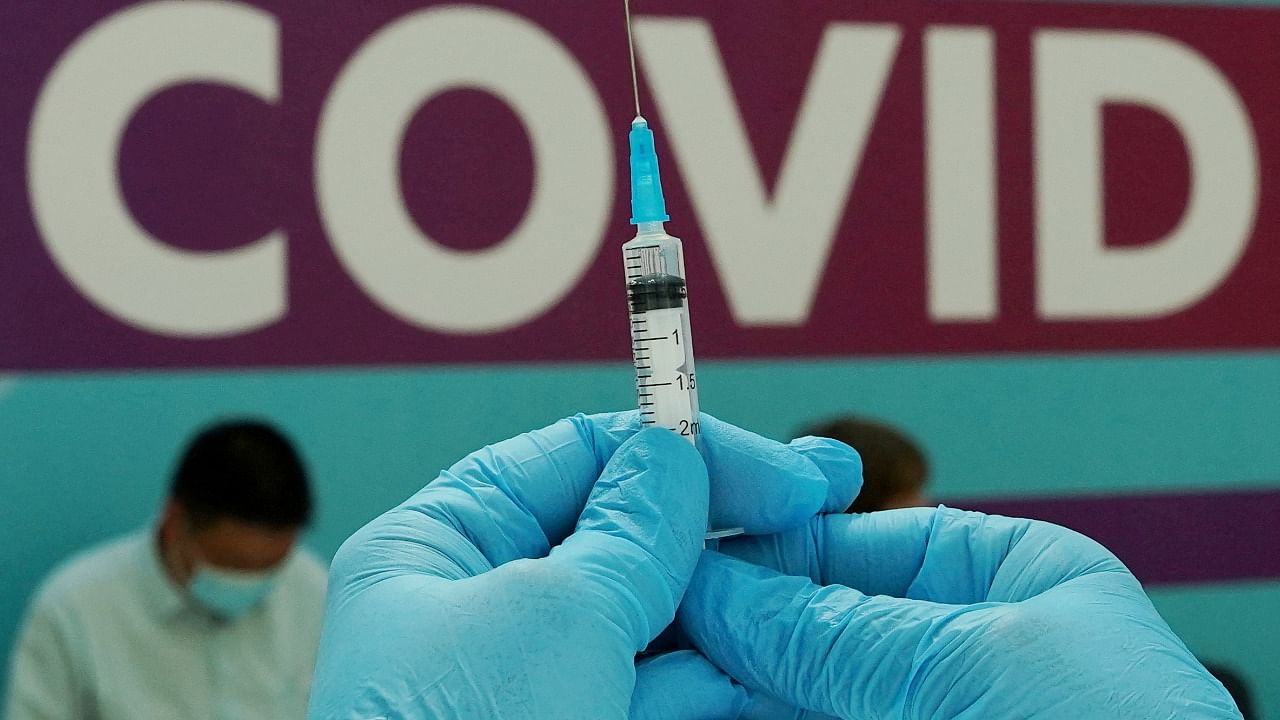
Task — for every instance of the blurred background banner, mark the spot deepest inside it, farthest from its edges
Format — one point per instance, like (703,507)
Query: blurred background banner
(1041,237)
(281,184)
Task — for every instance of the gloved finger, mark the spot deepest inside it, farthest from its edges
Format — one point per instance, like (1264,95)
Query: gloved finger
(879,553)
(937,554)
(684,686)
(757,484)
(518,498)
(511,500)
(581,612)
(765,487)
(828,649)
(954,556)
(840,465)
(638,539)
(794,552)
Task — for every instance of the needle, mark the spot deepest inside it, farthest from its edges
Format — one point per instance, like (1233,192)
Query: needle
(631,48)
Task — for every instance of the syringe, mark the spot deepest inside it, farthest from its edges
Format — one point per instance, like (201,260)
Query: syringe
(657,295)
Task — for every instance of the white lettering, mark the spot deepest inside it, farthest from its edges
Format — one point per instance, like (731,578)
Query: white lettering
(357,180)
(1077,72)
(769,251)
(961,156)
(83,111)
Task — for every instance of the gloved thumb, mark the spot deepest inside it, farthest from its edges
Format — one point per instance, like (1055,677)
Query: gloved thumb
(637,541)
(684,686)
(828,649)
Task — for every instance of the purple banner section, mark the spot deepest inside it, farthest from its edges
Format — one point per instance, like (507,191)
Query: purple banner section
(1170,539)
(286,183)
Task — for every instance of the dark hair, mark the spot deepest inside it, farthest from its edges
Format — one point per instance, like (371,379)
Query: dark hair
(1236,687)
(245,470)
(891,462)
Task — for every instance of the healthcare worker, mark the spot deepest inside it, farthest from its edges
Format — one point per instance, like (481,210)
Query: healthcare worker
(525,579)
(213,613)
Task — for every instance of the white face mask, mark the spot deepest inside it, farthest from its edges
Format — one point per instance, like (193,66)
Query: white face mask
(229,594)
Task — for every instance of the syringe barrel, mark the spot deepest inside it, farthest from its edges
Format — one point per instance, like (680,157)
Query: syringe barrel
(661,339)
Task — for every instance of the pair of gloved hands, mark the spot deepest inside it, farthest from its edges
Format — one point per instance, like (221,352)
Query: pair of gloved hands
(523,581)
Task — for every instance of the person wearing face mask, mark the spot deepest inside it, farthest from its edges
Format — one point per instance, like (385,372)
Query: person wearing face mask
(213,612)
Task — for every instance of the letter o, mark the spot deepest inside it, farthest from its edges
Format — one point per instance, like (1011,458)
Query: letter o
(358,149)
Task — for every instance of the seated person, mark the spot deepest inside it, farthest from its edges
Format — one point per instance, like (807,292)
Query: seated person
(1235,684)
(213,612)
(894,469)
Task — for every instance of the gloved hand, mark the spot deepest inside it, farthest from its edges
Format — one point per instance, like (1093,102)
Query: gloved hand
(522,582)
(941,614)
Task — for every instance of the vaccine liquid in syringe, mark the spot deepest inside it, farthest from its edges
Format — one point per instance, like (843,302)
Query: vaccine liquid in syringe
(661,342)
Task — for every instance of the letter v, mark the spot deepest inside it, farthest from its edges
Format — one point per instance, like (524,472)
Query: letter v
(769,251)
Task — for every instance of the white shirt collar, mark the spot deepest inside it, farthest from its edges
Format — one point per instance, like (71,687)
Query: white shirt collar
(164,598)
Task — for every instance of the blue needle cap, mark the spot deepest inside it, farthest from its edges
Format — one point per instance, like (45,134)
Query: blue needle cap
(647,203)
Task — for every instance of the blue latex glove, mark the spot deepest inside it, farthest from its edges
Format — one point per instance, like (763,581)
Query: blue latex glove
(941,614)
(522,582)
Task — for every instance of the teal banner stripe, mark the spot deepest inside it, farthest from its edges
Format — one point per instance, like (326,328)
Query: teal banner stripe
(1233,625)
(1040,425)
(87,456)
(993,426)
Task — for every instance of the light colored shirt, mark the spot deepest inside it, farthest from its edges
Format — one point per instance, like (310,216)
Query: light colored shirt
(109,637)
